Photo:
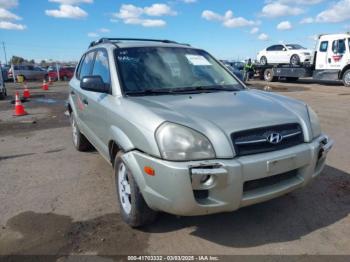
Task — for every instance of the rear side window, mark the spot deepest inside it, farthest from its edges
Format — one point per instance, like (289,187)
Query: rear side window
(278,48)
(86,65)
(324,46)
(101,67)
(339,47)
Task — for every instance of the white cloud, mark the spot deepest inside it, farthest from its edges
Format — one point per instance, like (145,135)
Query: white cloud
(67,11)
(93,35)
(307,20)
(189,1)
(263,37)
(104,30)
(285,25)
(8,3)
(338,12)
(227,20)
(159,10)
(131,14)
(277,9)
(7,15)
(297,2)
(72,2)
(11,26)
(254,30)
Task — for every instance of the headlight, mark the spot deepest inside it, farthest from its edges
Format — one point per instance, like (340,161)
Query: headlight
(315,123)
(179,143)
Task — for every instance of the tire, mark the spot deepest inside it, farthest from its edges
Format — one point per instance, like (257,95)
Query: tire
(295,60)
(268,75)
(263,60)
(79,140)
(346,78)
(292,79)
(133,209)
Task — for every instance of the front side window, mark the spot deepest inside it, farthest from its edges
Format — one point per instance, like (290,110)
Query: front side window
(101,67)
(86,65)
(171,69)
(324,46)
(271,48)
(339,46)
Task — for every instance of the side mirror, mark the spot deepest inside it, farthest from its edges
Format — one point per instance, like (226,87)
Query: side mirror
(94,84)
(284,49)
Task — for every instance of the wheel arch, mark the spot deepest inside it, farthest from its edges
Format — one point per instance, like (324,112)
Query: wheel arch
(347,67)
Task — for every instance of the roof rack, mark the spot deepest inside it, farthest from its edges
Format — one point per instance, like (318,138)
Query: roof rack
(115,41)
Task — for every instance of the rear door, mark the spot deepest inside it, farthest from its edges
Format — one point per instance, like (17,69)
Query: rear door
(79,95)
(322,55)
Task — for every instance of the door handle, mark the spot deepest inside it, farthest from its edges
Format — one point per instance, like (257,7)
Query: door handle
(329,60)
(85,101)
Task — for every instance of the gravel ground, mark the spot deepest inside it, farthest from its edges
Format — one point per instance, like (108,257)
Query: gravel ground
(57,201)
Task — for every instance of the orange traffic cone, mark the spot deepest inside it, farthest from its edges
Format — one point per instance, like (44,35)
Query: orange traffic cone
(19,108)
(45,85)
(26,93)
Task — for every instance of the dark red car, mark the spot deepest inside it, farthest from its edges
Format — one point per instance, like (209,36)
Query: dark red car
(66,73)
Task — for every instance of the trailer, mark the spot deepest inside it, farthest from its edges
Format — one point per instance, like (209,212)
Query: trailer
(331,61)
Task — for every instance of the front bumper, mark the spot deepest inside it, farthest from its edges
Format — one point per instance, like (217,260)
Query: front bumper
(174,187)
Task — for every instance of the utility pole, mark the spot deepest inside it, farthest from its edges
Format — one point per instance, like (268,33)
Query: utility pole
(3,46)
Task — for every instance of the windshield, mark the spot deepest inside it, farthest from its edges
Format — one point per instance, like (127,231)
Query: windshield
(167,69)
(295,47)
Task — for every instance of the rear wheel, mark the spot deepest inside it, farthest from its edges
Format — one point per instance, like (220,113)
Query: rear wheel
(133,208)
(79,140)
(268,75)
(346,78)
(295,60)
(263,60)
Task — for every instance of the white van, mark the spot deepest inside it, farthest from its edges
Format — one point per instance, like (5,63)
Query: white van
(3,92)
(333,58)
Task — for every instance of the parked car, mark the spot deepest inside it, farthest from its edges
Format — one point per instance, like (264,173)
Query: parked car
(28,72)
(184,135)
(285,54)
(232,69)
(3,92)
(4,71)
(66,73)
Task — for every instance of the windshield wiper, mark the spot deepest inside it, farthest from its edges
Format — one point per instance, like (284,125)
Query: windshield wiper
(148,92)
(201,89)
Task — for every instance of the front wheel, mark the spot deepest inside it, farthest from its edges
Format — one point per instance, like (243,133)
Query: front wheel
(346,78)
(133,208)
(295,60)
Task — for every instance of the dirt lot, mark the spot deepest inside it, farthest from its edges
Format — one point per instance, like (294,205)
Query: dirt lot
(55,200)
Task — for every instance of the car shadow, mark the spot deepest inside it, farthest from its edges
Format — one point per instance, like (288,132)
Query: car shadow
(322,203)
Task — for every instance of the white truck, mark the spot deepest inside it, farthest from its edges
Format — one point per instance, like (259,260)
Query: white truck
(331,61)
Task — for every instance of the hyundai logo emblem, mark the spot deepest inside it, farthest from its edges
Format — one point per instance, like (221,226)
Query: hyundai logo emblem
(274,138)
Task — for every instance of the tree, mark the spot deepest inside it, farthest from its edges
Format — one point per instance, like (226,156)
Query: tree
(17,60)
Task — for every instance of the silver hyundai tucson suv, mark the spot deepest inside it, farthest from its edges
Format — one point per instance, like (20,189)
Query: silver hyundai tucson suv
(184,135)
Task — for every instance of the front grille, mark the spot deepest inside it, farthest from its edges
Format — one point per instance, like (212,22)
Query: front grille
(268,181)
(255,141)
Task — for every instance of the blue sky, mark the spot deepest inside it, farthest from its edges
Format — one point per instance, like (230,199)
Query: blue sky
(229,29)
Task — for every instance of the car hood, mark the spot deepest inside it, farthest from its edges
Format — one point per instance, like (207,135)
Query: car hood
(218,115)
